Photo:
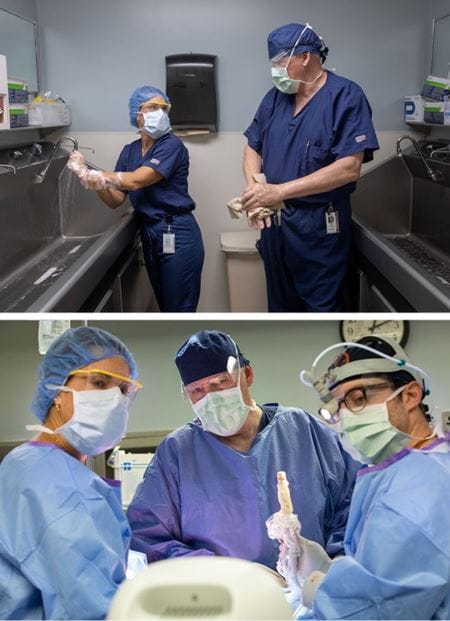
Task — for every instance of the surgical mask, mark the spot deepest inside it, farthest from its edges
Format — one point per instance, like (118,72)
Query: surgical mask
(156,123)
(222,412)
(280,76)
(368,435)
(98,423)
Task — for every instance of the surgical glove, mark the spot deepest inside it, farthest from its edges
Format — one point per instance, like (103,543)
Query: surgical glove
(312,558)
(310,587)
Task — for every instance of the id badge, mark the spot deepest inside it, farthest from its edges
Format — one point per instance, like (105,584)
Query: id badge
(332,221)
(168,243)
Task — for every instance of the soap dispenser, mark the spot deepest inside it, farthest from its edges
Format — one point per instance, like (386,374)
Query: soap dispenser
(4,99)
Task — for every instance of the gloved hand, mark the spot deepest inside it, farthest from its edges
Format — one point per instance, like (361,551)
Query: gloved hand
(312,558)
(310,587)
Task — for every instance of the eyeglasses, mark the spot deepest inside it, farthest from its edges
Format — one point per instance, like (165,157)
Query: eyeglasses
(220,381)
(153,107)
(99,379)
(356,399)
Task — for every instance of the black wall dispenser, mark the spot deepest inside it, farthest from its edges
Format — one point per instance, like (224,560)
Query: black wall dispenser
(191,87)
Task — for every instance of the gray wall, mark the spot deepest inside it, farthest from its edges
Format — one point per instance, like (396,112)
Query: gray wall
(278,350)
(25,8)
(95,52)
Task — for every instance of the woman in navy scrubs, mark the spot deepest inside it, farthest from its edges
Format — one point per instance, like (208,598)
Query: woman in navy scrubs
(153,171)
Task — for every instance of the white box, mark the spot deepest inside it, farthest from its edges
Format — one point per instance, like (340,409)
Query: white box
(436,88)
(129,468)
(414,109)
(4,96)
(447,111)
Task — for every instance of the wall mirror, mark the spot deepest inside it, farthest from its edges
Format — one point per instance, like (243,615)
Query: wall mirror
(18,44)
(440,54)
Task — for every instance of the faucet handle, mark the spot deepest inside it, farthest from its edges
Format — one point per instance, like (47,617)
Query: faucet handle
(87,148)
(36,149)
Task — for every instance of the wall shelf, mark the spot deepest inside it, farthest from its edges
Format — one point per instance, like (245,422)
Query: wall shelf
(29,127)
(417,124)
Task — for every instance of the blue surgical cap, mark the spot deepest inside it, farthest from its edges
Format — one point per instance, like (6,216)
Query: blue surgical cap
(282,40)
(141,95)
(206,353)
(74,349)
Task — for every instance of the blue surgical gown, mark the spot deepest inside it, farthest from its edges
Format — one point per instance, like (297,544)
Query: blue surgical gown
(306,265)
(201,497)
(397,543)
(64,538)
(164,207)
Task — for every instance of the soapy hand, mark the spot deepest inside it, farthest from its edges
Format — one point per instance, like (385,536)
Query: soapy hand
(90,179)
(95,180)
(76,162)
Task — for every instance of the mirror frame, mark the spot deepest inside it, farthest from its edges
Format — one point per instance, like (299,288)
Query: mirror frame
(433,36)
(36,46)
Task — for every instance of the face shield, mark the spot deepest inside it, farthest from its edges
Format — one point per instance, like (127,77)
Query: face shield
(283,58)
(216,382)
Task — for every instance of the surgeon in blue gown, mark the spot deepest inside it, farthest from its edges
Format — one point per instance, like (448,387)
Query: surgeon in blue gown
(397,543)
(153,172)
(310,135)
(64,538)
(212,483)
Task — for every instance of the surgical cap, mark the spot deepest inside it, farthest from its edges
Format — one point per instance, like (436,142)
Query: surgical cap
(74,349)
(206,353)
(355,362)
(140,96)
(281,41)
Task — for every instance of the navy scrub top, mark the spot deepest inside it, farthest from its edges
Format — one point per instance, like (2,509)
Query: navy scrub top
(170,158)
(336,122)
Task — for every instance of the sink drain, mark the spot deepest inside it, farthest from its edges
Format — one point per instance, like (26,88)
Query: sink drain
(439,269)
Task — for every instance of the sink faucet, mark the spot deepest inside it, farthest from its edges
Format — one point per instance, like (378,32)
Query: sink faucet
(445,149)
(435,175)
(39,177)
(9,167)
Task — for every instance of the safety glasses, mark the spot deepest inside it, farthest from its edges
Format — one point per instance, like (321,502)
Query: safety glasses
(99,379)
(219,381)
(153,107)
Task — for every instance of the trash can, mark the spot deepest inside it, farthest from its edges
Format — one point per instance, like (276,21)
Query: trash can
(245,272)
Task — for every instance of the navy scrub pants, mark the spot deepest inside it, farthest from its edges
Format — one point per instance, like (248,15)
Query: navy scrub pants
(306,266)
(176,277)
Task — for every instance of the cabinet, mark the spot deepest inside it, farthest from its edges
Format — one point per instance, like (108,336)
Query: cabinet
(125,288)
(375,294)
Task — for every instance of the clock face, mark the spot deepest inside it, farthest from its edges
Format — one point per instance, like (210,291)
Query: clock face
(353,330)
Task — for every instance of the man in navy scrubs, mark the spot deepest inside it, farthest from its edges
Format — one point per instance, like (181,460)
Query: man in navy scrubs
(310,135)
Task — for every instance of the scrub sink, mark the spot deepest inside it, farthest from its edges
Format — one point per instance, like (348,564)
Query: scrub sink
(402,227)
(57,239)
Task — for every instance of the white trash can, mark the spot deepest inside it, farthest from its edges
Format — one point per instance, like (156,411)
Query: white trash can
(245,271)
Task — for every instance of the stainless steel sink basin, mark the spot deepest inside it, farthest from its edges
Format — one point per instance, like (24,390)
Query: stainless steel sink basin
(53,235)
(402,226)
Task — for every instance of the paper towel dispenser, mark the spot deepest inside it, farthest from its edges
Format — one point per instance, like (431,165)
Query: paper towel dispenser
(191,87)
